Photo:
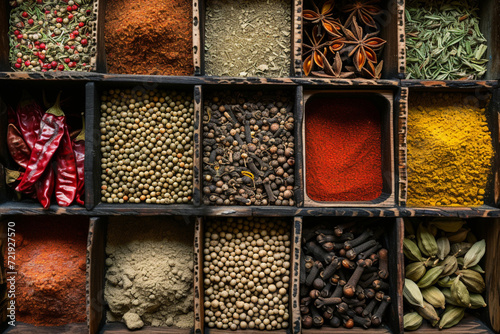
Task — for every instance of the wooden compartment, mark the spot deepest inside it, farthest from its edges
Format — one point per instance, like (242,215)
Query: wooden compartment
(478,95)
(199,40)
(489,10)
(10,232)
(392,28)
(97,60)
(383,101)
(199,291)
(93,135)
(484,320)
(249,96)
(97,305)
(392,240)
(72,104)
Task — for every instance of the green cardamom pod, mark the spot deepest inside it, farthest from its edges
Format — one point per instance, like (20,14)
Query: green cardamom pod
(412,321)
(447,224)
(449,264)
(451,316)
(434,296)
(460,248)
(426,241)
(430,278)
(428,312)
(473,280)
(412,293)
(475,254)
(459,292)
(411,251)
(443,245)
(445,282)
(415,271)
(477,301)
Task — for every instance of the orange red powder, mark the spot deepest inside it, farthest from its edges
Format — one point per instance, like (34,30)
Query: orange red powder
(50,263)
(343,149)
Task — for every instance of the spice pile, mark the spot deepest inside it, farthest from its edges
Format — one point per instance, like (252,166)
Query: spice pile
(51,35)
(343,276)
(443,40)
(149,37)
(149,276)
(457,172)
(443,275)
(341,40)
(247,273)
(50,159)
(147,146)
(248,149)
(248,38)
(343,149)
(50,265)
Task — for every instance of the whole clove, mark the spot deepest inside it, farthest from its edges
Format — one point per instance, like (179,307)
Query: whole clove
(345,279)
(248,149)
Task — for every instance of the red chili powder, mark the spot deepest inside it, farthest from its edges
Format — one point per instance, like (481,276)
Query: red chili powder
(343,149)
(50,263)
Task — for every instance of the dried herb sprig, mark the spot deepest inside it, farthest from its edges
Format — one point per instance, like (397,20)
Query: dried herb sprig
(443,40)
(341,41)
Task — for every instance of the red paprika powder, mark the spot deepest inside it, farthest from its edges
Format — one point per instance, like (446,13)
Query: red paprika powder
(343,149)
(50,264)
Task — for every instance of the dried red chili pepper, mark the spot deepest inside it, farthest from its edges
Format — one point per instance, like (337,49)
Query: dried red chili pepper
(29,115)
(18,148)
(45,187)
(66,176)
(51,132)
(79,149)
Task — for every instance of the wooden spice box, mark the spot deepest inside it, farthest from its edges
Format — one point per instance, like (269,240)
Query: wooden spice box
(384,103)
(482,92)
(392,241)
(97,306)
(89,85)
(488,13)
(293,306)
(97,61)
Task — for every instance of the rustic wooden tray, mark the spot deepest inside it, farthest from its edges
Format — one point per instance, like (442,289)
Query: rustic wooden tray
(485,222)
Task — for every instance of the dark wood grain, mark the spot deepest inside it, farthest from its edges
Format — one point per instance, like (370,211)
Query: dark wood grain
(489,12)
(92,147)
(295,323)
(96,245)
(32,208)
(120,328)
(355,330)
(299,140)
(199,315)
(491,263)
(389,22)
(458,84)
(402,146)
(296,35)
(98,33)
(401,38)
(4,152)
(3,186)
(469,324)
(197,138)
(22,328)
(197,36)
(4,36)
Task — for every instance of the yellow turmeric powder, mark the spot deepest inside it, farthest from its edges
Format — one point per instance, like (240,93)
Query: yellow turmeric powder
(450,150)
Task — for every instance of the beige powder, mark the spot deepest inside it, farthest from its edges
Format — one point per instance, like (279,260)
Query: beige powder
(149,278)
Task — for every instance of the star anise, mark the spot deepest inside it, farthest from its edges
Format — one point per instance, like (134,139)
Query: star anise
(331,26)
(364,11)
(364,47)
(317,50)
(372,71)
(334,70)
